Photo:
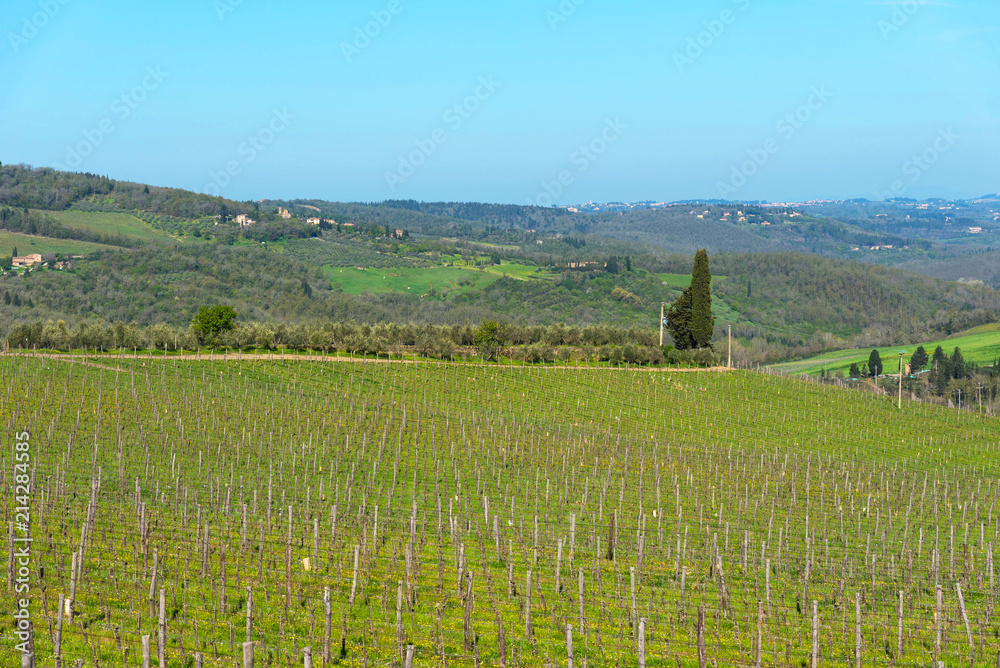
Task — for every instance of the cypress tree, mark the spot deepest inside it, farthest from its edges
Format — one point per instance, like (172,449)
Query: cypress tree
(919,360)
(679,321)
(702,320)
(940,359)
(875,364)
(958,370)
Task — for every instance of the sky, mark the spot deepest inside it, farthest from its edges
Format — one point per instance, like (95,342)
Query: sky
(524,101)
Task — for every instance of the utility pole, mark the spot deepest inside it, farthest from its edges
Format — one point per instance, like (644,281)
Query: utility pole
(979,388)
(729,365)
(662,304)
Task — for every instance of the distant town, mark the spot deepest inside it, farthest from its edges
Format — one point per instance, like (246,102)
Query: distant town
(941,204)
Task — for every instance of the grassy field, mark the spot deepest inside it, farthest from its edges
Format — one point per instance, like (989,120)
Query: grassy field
(679,281)
(110,223)
(419,281)
(26,243)
(422,280)
(980,346)
(358,508)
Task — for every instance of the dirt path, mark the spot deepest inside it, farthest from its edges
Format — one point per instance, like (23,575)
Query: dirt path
(285,357)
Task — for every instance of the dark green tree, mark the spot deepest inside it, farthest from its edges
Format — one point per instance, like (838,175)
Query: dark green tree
(679,321)
(702,320)
(490,337)
(213,320)
(940,379)
(14,254)
(958,366)
(875,364)
(918,361)
(855,372)
(940,359)
(306,288)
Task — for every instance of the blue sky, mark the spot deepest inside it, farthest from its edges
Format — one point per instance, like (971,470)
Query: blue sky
(521,101)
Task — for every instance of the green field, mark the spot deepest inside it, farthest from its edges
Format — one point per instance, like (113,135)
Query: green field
(980,346)
(518,271)
(26,243)
(109,223)
(421,281)
(359,508)
(679,281)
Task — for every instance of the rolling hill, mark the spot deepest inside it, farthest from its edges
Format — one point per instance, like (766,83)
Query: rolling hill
(160,253)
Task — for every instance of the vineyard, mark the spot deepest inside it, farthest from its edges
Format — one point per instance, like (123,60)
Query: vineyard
(275,512)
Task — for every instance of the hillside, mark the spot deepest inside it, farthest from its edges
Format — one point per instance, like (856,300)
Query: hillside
(52,190)
(979,346)
(158,254)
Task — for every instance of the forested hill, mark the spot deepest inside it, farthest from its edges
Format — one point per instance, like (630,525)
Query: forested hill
(122,251)
(43,188)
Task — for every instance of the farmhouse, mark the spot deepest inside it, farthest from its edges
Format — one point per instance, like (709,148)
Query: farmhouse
(975,230)
(312,221)
(26,260)
(243,220)
(398,234)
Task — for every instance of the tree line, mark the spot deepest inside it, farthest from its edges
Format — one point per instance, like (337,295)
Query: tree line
(217,328)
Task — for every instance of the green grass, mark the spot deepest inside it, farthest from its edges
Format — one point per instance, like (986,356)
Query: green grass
(26,243)
(110,223)
(420,281)
(741,466)
(679,281)
(980,346)
(412,281)
(519,271)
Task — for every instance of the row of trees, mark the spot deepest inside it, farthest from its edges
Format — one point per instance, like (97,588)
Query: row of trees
(944,367)
(217,326)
